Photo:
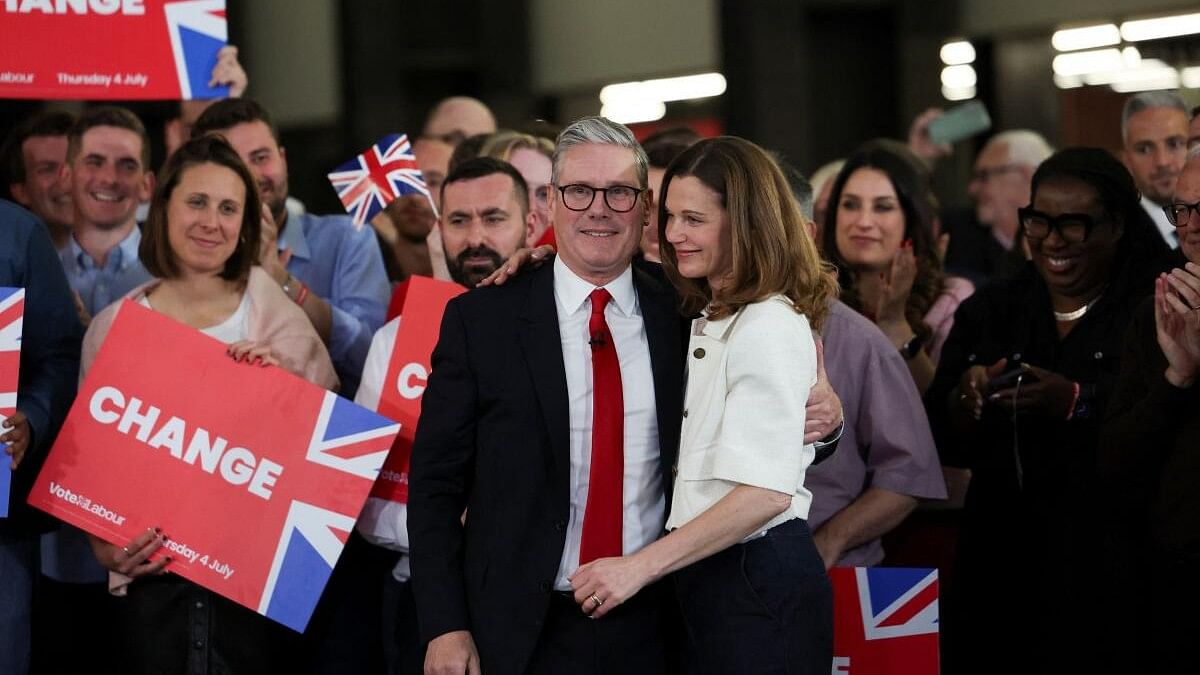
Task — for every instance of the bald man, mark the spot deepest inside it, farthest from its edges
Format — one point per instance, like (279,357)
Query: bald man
(458,117)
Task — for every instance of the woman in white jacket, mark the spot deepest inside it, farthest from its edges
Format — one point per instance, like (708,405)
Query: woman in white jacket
(751,584)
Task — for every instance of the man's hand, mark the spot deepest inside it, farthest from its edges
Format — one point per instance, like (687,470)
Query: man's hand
(1177,323)
(270,259)
(532,258)
(229,73)
(829,549)
(16,435)
(132,560)
(452,653)
(919,141)
(823,412)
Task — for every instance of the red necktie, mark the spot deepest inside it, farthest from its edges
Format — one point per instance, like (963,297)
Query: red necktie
(603,513)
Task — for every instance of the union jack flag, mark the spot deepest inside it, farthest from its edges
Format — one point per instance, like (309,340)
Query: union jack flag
(371,181)
(12,314)
(885,620)
(347,438)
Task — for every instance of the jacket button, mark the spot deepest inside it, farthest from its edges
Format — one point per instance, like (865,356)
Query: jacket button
(699,353)
(545,586)
(685,412)
(1099,355)
(560,525)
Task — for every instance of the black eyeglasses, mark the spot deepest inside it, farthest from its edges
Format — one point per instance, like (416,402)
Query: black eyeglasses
(1072,227)
(1180,214)
(619,198)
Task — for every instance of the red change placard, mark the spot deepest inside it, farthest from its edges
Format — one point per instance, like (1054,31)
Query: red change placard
(424,303)
(110,49)
(254,474)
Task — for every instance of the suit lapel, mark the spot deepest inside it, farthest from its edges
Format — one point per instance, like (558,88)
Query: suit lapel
(664,334)
(541,345)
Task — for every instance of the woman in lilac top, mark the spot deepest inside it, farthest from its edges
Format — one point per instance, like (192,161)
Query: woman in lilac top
(879,232)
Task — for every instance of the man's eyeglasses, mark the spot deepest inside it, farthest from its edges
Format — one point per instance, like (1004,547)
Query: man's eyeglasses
(619,198)
(1181,214)
(1072,227)
(983,175)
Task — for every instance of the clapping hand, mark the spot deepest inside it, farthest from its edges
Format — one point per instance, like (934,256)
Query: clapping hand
(895,286)
(1177,323)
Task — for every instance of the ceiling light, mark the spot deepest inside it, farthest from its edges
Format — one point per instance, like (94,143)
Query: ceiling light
(1086,37)
(1161,27)
(958,77)
(1079,63)
(683,88)
(957,53)
(958,93)
(631,112)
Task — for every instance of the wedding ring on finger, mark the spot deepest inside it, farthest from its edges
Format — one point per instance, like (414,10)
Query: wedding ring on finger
(596,600)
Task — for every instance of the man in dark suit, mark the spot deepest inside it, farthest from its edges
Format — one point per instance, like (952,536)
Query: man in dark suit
(552,419)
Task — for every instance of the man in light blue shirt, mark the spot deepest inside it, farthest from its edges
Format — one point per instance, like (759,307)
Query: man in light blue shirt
(108,153)
(333,270)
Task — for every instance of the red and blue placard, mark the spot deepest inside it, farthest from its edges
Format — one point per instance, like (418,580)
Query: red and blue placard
(885,620)
(12,314)
(256,476)
(110,49)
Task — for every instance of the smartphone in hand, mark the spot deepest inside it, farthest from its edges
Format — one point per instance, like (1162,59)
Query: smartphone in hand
(960,122)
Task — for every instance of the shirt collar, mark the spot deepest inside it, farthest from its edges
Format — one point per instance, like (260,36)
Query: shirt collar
(293,238)
(572,292)
(121,257)
(1169,234)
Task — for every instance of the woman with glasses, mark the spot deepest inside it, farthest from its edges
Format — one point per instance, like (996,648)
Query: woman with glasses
(1023,383)
(748,577)
(879,233)
(1149,450)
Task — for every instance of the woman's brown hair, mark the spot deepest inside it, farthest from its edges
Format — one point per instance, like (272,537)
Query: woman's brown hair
(772,252)
(155,250)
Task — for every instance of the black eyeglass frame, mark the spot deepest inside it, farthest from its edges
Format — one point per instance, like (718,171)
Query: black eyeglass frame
(637,192)
(1089,222)
(1173,217)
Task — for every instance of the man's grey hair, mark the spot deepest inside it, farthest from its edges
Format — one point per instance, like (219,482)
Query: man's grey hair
(1146,100)
(1025,147)
(599,131)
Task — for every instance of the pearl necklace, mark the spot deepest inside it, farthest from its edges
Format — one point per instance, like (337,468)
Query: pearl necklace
(1075,315)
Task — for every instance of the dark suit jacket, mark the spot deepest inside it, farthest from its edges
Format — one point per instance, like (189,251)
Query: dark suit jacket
(493,440)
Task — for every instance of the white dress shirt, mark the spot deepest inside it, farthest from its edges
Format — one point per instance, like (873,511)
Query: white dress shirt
(642,490)
(1165,228)
(749,376)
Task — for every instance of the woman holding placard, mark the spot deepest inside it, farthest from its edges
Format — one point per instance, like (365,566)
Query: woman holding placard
(201,242)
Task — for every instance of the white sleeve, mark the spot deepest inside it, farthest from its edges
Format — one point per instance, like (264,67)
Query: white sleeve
(370,386)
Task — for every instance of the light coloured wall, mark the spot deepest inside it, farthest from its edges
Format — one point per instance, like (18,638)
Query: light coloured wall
(295,59)
(582,45)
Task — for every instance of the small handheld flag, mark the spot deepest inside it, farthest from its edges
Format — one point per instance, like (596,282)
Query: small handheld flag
(382,173)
